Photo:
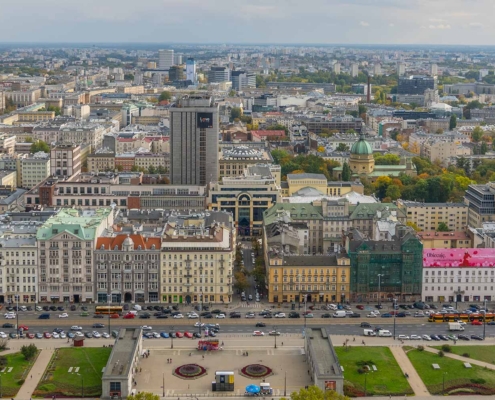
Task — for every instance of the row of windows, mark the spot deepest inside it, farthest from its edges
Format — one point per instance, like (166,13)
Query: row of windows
(459,272)
(438,288)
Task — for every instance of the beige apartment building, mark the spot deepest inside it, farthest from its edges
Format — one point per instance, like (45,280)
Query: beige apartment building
(33,169)
(442,151)
(34,116)
(8,179)
(65,159)
(23,98)
(427,216)
(446,240)
(296,182)
(233,160)
(7,143)
(197,256)
(102,160)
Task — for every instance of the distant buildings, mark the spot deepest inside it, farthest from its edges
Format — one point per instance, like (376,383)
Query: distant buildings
(415,84)
(165,59)
(354,70)
(427,216)
(243,80)
(480,202)
(218,74)
(191,70)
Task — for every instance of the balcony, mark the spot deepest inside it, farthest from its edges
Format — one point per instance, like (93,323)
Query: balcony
(188,276)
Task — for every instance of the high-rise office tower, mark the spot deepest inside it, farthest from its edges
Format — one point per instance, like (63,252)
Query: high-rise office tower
(165,59)
(336,68)
(433,69)
(194,141)
(191,70)
(354,70)
(177,59)
(401,68)
(218,74)
(377,69)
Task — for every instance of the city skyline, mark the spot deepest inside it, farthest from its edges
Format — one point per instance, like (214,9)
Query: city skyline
(456,22)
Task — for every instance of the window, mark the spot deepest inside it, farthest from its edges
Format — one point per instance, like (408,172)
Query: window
(115,386)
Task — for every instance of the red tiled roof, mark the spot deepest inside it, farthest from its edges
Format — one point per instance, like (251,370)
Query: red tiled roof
(268,133)
(109,243)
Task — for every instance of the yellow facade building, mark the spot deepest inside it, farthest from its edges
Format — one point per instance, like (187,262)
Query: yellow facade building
(445,240)
(296,182)
(318,279)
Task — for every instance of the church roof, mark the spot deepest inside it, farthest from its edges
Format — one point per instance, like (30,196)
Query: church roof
(361,147)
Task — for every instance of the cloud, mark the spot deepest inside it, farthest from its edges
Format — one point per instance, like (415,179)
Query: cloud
(436,20)
(391,25)
(364,23)
(475,25)
(440,26)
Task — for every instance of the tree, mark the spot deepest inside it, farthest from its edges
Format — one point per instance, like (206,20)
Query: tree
(315,393)
(413,225)
(483,148)
(387,159)
(393,191)
(342,147)
(232,93)
(439,131)
(143,396)
(453,122)
(40,145)
(165,95)
(443,227)
(346,172)
(235,112)
(240,281)
(477,134)
(321,149)
(29,351)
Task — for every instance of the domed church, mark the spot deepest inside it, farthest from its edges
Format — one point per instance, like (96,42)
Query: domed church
(362,163)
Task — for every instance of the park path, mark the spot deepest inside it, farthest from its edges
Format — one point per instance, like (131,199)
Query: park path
(35,375)
(405,364)
(463,359)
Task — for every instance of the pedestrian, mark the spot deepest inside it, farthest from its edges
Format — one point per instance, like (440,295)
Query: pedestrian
(389,396)
(282,343)
(354,339)
(31,376)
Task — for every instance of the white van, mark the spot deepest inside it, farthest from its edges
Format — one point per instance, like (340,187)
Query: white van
(136,307)
(339,314)
(332,307)
(384,333)
(369,332)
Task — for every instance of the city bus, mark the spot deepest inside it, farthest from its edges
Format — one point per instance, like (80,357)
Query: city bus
(108,310)
(453,317)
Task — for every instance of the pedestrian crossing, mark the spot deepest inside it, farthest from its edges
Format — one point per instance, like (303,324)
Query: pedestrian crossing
(252,305)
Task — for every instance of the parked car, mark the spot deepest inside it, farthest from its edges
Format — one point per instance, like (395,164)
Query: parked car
(260,325)
(258,333)
(476,337)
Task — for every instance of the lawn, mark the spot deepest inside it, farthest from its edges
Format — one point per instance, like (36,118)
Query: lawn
(388,379)
(58,381)
(12,381)
(481,353)
(458,379)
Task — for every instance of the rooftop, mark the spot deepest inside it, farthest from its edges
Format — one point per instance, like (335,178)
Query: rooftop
(123,353)
(322,352)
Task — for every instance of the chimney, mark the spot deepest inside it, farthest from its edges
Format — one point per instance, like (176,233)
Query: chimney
(368,94)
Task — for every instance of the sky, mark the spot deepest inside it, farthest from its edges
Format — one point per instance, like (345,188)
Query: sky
(464,22)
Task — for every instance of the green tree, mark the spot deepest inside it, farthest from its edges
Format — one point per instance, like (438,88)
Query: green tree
(235,112)
(483,147)
(143,396)
(40,145)
(232,93)
(240,281)
(151,169)
(346,172)
(315,393)
(439,131)
(477,134)
(387,159)
(393,191)
(342,147)
(29,139)
(29,351)
(165,95)
(443,227)
(453,122)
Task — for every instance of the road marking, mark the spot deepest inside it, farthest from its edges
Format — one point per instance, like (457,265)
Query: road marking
(70,370)
(10,369)
(76,370)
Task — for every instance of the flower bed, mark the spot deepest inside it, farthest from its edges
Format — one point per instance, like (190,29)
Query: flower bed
(190,371)
(256,371)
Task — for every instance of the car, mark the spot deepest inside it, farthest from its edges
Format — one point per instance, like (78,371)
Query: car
(86,314)
(192,316)
(172,335)
(129,316)
(63,335)
(309,316)
(125,307)
(268,316)
(22,308)
(419,314)
(452,337)
(211,334)
(8,325)
(164,335)
(476,337)
(179,334)
(30,335)
(434,337)
(98,325)
(58,330)
(60,308)
(415,337)
(76,328)
(146,328)
(71,335)
(148,335)
(280,315)
(23,327)
(145,316)
(426,337)
(221,316)
(464,337)
(89,335)
(197,335)
(360,307)
(96,334)
(38,335)
(178,316)
(354,315)
(371,315)
(13,335)
(476,322)
(188,335)
(250,315)
(401,315)
(443,337)
(491,323)
(274,333)
(386,315)
(378,306)
(235,315)
(73,307)
(47,335)
(114,316)
(258,333)
(260,325)
(53,308)
(3,335)
(403,337)
(216,311)
(208,316)
(9,316)
(327,315)
(156,335)
(63,315)
(105,335)
(294,314)
(162,316)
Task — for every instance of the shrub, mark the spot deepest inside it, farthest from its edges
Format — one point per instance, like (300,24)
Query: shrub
(421,348)
(29,351)
(480,381)
(3,361)
(441,353)
(446,348)
(20,381)
(361,370)
(465,355)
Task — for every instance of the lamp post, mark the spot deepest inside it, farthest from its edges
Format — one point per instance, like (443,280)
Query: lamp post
(395,314)
(172,337)
(17,316)
(443,382)
(365,382)
(285,384)
(82,385)
(275,335)
(484,319)
(1,391)
(109,298)
(200,311)
(379,287)
(164,384)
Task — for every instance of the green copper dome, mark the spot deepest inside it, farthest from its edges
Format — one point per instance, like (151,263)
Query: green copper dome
(361,147)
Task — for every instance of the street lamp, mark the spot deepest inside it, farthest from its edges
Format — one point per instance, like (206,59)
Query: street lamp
(443,382)
(109,298)
(1,391)
(395,314)
(200,311)
(484,319)
(17,316)
(379,287)
(172,337)
(275,329)
(82,385)
(365,382)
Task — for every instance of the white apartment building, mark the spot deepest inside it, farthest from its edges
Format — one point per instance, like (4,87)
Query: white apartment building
(33,170)
(197,258)
(18,269)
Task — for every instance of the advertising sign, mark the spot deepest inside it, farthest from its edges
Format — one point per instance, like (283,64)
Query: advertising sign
(205,120)
(458,257)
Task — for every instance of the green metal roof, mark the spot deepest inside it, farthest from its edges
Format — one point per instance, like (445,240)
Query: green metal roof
(361,147)
(82,224)
(369,210)
(297,211)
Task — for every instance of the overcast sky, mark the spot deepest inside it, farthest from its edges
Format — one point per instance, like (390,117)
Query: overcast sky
(249,21)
